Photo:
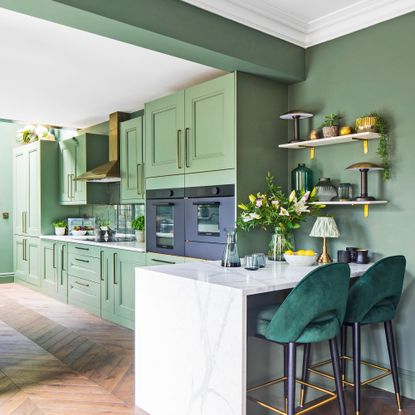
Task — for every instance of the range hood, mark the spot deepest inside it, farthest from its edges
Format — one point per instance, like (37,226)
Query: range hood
(110,171)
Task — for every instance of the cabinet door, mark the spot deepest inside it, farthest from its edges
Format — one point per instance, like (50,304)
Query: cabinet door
(20,191)
(33,259)
(164,122)
(67,162)
(107,283)
(79,187)
(20,258)
(62,271)
(210,133)
(132,166)
(126,263)
(49,274)
(33,196)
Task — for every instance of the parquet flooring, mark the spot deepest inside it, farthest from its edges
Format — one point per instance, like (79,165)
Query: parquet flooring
(58,360)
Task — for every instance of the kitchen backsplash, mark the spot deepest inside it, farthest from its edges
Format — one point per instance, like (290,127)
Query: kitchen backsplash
(119,217)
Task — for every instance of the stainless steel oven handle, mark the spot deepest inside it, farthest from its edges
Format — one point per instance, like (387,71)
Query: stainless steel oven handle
(207,203)
(163,204)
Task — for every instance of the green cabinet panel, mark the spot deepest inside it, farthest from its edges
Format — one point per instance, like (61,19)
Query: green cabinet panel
(210,125)
(84,249)
(33,261)
(84,294)
(164,140)
(78,155)
(20,262)
(54,269)
(33,216)
(20,190)
(85,267)
(132,186)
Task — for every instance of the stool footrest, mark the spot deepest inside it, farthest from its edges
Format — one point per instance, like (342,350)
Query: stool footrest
(332,396)
(385,371)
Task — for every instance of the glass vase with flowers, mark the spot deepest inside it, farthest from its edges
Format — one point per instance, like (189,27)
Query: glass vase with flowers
(275,211)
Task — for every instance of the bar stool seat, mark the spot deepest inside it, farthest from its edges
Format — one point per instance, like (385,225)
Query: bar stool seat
(312,312)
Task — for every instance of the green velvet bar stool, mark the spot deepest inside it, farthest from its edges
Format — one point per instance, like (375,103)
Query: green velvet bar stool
(312,312)
(374,299)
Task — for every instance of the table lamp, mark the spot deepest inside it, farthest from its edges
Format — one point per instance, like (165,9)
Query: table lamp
(325,227)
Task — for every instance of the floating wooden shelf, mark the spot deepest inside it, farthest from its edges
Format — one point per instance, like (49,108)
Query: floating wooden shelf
(351,203)
(365,204)
(342,139)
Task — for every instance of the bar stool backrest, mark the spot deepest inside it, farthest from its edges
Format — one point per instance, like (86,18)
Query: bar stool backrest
(323,292)
(381,284)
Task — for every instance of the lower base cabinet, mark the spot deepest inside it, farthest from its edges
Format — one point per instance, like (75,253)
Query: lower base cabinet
(117,285)
(26,260)
(54,265)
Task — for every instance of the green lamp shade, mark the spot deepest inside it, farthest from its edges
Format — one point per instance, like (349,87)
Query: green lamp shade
(325,227)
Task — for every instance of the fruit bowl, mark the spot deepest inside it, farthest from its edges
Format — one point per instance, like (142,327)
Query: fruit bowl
(301,260)
(78,233)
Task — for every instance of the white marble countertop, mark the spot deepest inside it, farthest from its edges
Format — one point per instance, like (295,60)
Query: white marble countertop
(124,245)
(275,276)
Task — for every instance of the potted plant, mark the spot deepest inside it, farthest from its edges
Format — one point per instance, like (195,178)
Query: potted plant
(275,211)
(331,125)
(60,227)
(138,226)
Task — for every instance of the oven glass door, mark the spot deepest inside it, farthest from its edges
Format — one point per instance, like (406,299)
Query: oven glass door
(206,218)
(165,226)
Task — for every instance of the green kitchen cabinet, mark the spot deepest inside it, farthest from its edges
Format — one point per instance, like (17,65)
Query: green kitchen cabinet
(78,155)
(210,125)
(192,131)
(132,186)
(20,190)
(117,285)
(164,136)
(54,269)
(26,260)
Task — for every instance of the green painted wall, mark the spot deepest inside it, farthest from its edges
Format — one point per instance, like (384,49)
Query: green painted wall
(7,139)
(370,70)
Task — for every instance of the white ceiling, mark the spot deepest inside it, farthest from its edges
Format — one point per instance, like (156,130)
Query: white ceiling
(53,74)
(307,22)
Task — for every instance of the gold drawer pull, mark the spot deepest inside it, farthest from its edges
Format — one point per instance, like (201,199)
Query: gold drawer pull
(81,283)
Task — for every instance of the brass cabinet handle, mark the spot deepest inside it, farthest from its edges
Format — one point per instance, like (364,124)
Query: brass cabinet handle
(136,178)
(72,177)
(115,268)
(54,256)
(23,222)
(62,262)
(178,145)
(81,283)
(24,250)
(86,261)
(162,261)
(142,179)
(186,151)
(68,179)
(101,265)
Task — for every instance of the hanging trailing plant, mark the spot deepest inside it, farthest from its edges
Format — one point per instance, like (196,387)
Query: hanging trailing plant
(384,144)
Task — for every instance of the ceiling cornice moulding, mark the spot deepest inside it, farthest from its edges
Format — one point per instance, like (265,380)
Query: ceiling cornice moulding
(264,16)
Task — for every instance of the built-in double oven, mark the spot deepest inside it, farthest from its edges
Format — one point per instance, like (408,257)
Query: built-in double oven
(190,222)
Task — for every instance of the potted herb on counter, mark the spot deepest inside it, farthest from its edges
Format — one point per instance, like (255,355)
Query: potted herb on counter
(60,227)
(138,226)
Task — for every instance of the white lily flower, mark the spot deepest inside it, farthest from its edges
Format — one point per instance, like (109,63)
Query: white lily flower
(292,196)
(284,212)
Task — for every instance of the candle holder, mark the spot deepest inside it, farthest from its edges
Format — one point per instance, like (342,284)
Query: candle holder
(364,168)
(296,116)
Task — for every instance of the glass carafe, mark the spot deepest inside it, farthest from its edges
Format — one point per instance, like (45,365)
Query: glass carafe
(230,256)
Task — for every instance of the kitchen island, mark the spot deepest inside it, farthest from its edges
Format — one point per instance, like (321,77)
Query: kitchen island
(191,333)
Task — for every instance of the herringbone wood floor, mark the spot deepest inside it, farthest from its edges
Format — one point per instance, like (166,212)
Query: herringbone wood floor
(58,360)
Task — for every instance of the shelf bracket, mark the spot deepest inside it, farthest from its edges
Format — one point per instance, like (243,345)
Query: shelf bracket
(312,153)
(365,146)
(366,211)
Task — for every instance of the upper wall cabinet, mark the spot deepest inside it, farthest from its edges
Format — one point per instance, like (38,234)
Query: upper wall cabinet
(78,155)
(132,161)
(193,130)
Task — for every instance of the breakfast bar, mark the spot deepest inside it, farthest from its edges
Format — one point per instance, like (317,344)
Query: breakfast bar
(191,333)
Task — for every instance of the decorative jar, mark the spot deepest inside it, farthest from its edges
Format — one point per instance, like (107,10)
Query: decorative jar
(281,242)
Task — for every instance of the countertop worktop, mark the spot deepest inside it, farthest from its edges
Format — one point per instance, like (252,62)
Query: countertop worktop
(125,245)
(275,276)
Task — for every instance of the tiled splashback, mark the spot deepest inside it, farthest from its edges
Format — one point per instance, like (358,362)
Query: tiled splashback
(118,217)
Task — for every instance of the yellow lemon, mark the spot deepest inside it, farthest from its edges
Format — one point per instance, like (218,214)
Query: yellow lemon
(310,252)
(301,252)
(289,252)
